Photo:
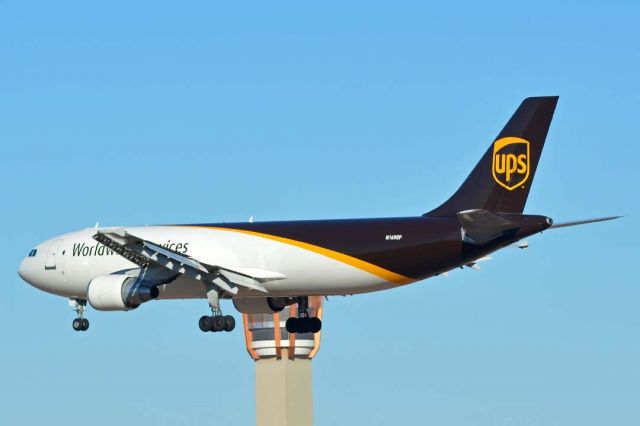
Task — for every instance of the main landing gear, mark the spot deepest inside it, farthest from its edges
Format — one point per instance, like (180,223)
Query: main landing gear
(80,323)
(303,323)
(217,321)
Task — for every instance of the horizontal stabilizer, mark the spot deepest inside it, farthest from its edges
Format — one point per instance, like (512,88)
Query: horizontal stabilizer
(481,226)
(582,222)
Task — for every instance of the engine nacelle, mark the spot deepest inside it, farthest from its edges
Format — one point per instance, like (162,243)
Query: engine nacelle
(119,292)
(262,305)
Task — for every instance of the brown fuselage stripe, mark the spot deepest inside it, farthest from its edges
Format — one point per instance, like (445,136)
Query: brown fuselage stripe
(341,257)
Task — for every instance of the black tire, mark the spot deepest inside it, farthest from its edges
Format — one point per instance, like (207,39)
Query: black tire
(219,323)
(315,324)
(77,324)
(85,324)
(304,325)
(292,325)
(205,323)
(230,323)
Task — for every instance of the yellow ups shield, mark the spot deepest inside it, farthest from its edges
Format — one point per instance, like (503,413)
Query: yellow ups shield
(510,166)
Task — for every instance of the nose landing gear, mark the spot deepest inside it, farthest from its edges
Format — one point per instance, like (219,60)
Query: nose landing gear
(303,323)
(80,323)
(217,321)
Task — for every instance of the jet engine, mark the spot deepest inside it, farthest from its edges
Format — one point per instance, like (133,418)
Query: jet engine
(262,305)
(119,292)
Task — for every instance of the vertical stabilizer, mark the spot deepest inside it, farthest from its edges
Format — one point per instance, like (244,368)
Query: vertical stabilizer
(500,182)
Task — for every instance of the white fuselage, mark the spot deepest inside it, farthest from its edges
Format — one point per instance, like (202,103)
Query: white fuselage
(65,265)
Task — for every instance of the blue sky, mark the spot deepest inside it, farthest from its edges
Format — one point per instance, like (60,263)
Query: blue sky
(157,112)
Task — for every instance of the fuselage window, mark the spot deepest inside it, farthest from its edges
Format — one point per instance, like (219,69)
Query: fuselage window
(33,252)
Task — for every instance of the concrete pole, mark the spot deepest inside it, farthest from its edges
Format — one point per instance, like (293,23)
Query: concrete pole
(284,392)
(283,366)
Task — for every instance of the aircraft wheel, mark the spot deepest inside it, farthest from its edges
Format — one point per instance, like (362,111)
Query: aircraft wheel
(230,323)
(77,324)
(85,324)
(205,323)
(304,325)
(218,323)
(315,324)
(292,325)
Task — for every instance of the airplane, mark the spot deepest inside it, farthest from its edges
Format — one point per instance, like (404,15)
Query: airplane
(266,266)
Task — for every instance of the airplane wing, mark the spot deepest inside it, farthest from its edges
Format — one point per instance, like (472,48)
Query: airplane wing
(582,222)
(149,254)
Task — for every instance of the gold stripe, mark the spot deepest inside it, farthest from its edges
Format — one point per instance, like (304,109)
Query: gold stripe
(385,274)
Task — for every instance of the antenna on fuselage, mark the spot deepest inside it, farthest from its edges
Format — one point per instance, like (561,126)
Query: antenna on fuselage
(97,225)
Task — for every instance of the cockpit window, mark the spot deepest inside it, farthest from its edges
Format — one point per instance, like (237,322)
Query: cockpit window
(33,252)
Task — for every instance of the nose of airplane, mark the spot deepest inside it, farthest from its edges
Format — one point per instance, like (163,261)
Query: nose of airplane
(30,266)
(24,271)
(37,272)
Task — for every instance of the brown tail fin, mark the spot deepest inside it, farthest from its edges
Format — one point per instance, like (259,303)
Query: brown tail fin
(500,182)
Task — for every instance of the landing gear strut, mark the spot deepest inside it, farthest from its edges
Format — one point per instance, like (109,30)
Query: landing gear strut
(80,323)
(217,321)
(303,323)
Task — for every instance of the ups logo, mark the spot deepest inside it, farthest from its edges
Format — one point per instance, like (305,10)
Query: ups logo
(511,162)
